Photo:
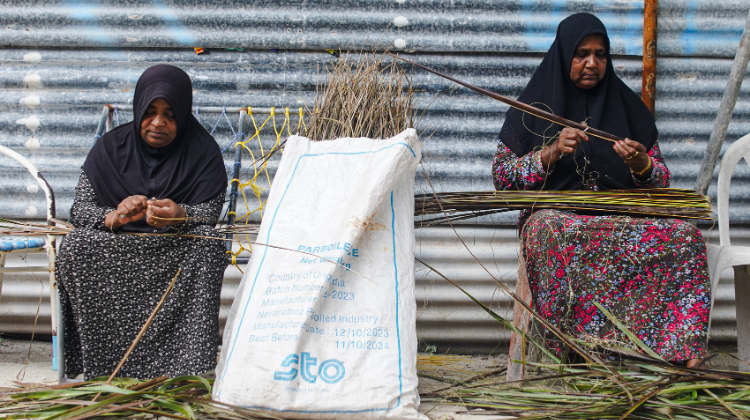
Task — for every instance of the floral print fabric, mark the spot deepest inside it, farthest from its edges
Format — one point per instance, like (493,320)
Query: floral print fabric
(650,273)
(527,172)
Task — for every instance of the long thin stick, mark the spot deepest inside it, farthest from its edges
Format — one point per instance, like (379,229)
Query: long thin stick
(145,326)
(724,115)
(520,105)
(617,378)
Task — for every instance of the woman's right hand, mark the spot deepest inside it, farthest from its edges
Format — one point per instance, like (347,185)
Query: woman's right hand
(567,143)
(130,209)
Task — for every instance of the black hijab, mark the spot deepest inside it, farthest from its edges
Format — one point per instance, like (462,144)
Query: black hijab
(190,170)
(609,106)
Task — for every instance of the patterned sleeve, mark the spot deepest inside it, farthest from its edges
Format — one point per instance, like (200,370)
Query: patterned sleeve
(517,173)
(660,175)
(206,213)
(86,211)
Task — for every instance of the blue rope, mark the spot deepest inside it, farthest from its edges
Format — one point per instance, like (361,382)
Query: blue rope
(198,113)
(226,117)
(117,116)
(236,136)
(224,112)
(229,178)
(228,122)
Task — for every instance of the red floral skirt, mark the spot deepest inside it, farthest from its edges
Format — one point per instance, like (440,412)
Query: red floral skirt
(650,273)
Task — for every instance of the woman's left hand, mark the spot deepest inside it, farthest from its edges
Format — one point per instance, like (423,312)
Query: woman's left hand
(164,212)
(634,154)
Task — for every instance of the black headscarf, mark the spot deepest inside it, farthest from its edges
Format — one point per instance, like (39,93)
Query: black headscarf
(609,106)
(190,170)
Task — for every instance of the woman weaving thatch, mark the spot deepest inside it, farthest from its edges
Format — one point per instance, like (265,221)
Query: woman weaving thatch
(651,273)
(162,173)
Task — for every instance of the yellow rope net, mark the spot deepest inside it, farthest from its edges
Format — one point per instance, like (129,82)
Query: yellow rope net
(260,159)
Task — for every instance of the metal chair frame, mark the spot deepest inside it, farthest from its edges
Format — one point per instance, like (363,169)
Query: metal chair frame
(58,362)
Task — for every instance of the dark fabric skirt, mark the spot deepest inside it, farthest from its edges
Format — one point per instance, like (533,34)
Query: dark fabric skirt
(109,285)
(650,273)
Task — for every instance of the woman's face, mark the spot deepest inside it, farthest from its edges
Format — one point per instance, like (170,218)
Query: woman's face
(158,127)
(589,62)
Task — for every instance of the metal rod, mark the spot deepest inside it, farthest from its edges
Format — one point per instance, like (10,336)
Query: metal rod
(58,357)
(102,123)
(520,105)
(2,265)
(650,25)
(60,344)
(234,187)
(728,100)
(212,109)
(144,328)
(27,269)
(38,177)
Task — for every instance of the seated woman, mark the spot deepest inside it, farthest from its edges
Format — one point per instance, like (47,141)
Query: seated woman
(160,175)
(650,272)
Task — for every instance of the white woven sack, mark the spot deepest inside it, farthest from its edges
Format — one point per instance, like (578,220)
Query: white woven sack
(306,337)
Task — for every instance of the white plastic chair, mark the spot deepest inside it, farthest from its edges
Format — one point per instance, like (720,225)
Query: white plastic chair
(16,244)
(725,255)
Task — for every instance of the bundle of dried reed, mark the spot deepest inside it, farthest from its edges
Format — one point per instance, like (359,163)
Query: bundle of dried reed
(363,96)
(184,397)
(19,228)
(661,202)
(638,386)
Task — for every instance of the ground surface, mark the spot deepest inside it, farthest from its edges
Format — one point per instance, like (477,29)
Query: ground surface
(30,362)
(14,367)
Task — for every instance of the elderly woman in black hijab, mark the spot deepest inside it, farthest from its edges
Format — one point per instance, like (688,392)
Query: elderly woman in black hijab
(651,273)
(158,175)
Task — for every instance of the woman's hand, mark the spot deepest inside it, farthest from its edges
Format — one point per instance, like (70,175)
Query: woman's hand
(567,143)
(164,212)
(635,156)
(131,209)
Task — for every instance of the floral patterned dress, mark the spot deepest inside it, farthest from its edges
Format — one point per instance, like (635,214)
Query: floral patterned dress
(110,283)
(651,273)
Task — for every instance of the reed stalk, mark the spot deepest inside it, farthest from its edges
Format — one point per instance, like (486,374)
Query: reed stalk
(363,96)
(437,208)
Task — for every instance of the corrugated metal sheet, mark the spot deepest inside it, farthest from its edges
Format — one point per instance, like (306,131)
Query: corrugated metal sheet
(67,92)
(685,27)
(55,76)
(445,316)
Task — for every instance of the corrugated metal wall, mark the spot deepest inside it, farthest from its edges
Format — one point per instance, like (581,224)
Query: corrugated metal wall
(61,60)
(445,316)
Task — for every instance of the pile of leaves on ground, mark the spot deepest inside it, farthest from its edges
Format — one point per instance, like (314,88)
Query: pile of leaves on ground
(615,390)
(184,397)
(614,382)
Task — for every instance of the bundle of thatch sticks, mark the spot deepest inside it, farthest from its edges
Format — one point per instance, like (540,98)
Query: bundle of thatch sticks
(437,208)
(368,95)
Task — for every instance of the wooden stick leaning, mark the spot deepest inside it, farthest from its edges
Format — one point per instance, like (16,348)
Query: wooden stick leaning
(145,326)
(143,330)
(520,105)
